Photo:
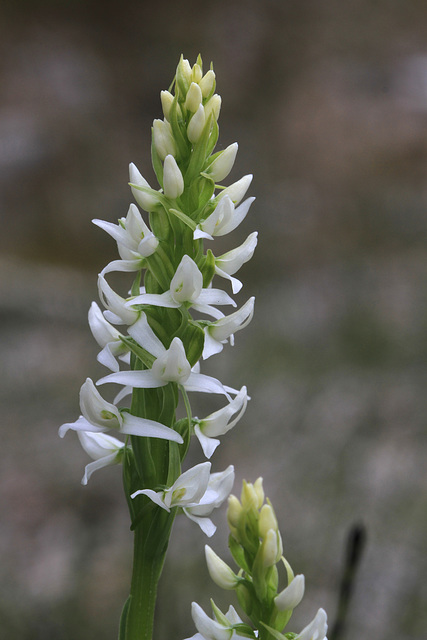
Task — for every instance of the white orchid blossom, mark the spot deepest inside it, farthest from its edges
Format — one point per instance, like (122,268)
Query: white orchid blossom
(100,415)
(197,492)
(223,219)
(316,629)
(187,288)
(108,338)
(102,448)
(223,163)
(209,629)
(292,595)
(217,333)
(171,365)
(148,201)
(237,190)
(135,241)
(116,310)
(219,422)
(230,262)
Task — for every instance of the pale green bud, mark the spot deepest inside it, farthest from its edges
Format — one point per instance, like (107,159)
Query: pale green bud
(252,495)
(234,511)
(166,99)
(195,127)
(290,597)
(196,73)
(173,182)
(163,138)
(219,571)
(213,106)
(206,84)
(223,164)
(267,520)
(270,549)
(145,200)
(194,98)
(259,491)
(184,68)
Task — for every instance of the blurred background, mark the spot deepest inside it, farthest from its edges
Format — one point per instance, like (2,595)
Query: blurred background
(328,101)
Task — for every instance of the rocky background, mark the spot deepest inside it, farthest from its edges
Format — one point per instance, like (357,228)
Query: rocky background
(328,101)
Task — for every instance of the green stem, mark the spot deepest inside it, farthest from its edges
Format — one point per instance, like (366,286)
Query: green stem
(149,554)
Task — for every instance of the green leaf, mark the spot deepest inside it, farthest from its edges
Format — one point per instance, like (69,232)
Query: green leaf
(207,267)
(182,144)
(238,554)
(123,619)
(276,634)
(140,352)
(193,339)
(184,218)
(244,630)
(156,161)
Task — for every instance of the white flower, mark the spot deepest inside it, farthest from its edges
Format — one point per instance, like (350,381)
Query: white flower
(219,570)
(171,365)
(223,163)
(163,139)
(196,125)
(135,241)
(219,422)
(187,287)
(197,492)
(317,628)
(223,219)
(292,595)
(148,201)
(230,262)
(219,629)
(116,310)
(213,106)
(237,190)
(100,415)
(206,84)
(108,338)
(173,182)
(102,448)
(193,98)
(217,333)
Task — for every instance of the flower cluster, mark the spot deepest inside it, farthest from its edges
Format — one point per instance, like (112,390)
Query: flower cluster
(153,338)
(256,546)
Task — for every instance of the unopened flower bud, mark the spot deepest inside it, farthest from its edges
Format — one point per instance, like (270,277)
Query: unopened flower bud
(223,164)
(196,73)
(163,139)
(194,97)
(269,549)
(173,182)
(267,520)
(249,497)
(206,84)
(145,200)
(213,106)
(184,68)
(234,511)
(219,571)
(237,190)
(167,99)
(195,127)
(290,597)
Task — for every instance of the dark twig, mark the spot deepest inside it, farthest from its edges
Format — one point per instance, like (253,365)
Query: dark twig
(356,540)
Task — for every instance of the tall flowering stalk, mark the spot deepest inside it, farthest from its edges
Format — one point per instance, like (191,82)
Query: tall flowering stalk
(152,341)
